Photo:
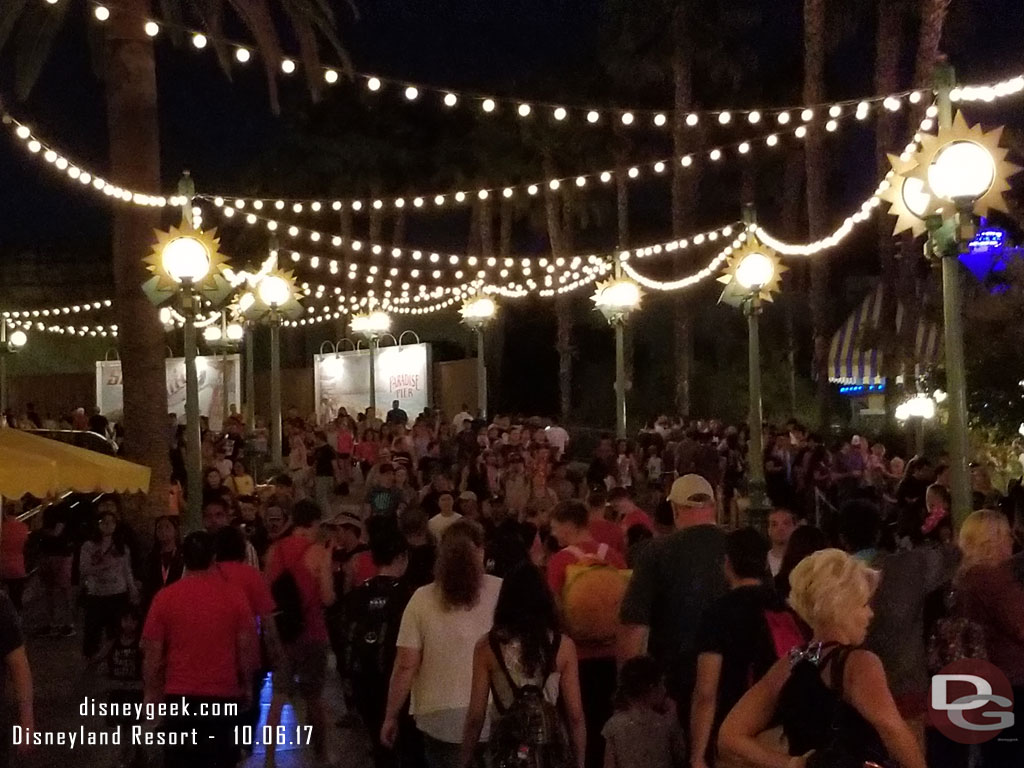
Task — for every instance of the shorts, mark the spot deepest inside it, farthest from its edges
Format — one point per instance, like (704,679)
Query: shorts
(302,670)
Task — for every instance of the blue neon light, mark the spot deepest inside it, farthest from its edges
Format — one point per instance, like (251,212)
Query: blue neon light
(860,389)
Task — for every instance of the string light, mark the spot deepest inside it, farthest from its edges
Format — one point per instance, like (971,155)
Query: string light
(100,12)
(448,197)
(151,28)
(86,178)
(242,55)
(199,40)
(68,309)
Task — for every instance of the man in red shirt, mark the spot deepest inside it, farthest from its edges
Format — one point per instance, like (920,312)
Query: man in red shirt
(304,658)
(570,522)
(230,546)
(603,530)
(627,512)
(198,646)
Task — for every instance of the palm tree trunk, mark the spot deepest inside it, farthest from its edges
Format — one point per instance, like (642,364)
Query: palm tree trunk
(495,350)
(486,228)
(376,224)
(132,124)
(398,229)
(563,306)
(792,188)
(683,181)
(933,19)
(622,242)
(341,329)
(473,244)
(888,42)
(815,160)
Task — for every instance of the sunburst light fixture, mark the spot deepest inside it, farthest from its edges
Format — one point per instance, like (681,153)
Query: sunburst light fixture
(908,198)
(275,292)
(478,311)
(963,165)
(754,270)
(185,257)
(617,298)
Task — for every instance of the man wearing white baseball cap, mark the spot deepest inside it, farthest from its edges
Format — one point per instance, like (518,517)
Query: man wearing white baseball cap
(676,578)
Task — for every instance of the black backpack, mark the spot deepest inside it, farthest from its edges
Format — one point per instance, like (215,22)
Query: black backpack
(372,615)
(529,732)
(288,617)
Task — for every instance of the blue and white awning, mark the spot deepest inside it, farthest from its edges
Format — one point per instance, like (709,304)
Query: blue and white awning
(851,360)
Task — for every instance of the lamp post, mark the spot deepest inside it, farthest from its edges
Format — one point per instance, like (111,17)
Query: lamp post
(186,264)
(754,273)
(371,326)
(477,313)
(11,340)
(617,299)
(955,174)
(920,408)
(224,337)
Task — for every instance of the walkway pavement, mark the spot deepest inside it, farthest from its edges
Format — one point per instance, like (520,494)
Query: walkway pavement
(62,683)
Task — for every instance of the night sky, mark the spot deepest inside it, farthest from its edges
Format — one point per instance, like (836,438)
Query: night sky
(226,135)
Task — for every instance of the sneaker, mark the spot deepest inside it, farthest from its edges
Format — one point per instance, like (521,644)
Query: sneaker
(67,631)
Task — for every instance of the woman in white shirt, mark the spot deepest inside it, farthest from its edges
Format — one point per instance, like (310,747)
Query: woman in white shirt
(440,629)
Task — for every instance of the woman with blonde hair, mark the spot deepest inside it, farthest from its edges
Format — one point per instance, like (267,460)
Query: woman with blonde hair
(831,696)
(436,641)
(989,594)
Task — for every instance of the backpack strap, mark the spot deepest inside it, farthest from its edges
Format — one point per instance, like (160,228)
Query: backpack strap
(492,640)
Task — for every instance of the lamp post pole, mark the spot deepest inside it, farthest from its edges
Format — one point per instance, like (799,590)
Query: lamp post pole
(193,430)
(755,448)
(3,368)
(224,398)
(276,452)
(620,377)
(373,376)
(250,378)
(952,316)
(481,373)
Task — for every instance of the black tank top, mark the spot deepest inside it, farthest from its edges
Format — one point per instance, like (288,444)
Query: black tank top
(815,716)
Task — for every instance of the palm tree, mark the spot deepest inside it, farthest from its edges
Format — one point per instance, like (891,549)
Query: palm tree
(129,69)
(815,168)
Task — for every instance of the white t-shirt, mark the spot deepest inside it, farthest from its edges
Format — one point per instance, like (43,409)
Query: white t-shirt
(558,438)
(774,563)
(438,524)
(447,639)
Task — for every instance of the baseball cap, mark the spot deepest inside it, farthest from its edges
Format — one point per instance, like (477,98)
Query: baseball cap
(467,496)
(687,491)
(347,519)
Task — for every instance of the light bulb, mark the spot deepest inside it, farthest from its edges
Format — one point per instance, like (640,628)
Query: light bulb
(835,110)
(101,12)
(22,132)
(831,125)
(772,140)
(199,40)
(691,119)
(660,119)
(744,148)
(287,66)
(754,117)
(274,291)
(962,170)
(373,84)
(715,154)
(152,28)
(783,118)
(450,99)
(186,258)
(560,113)
(488,105)
(724,118)
(331,76)
(524,110)
(593,116)
(412,93)
(807,115)
(755,271)
(242,55)
(627,118)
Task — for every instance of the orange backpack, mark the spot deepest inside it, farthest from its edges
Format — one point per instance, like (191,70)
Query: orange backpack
(592,597)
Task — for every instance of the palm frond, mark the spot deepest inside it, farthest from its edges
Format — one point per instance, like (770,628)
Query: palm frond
(212,14)
(257,18)
(32,47)
(10,13)
(170,10)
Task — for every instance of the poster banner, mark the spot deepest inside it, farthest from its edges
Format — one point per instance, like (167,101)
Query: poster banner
(342,380)
(211,375)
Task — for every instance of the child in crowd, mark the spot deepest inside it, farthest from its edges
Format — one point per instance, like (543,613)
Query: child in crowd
(122,659)
(644,732)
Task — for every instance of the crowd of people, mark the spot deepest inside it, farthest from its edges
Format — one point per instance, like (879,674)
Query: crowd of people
(489,592)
